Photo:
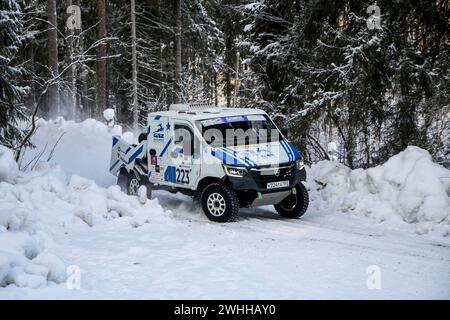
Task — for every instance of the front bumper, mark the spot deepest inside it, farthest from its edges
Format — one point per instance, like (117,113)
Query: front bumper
(257,178)
(252,189)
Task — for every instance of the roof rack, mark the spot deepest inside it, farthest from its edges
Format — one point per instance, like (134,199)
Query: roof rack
(195,106)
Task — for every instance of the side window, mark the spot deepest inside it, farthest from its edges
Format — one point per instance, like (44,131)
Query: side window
(184,137)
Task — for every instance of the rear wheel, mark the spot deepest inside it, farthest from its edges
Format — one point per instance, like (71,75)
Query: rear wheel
(219,202)
(133,186)
(123,180)
(128,183)
(294,206)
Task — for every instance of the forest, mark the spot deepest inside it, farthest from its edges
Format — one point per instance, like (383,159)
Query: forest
(353,81)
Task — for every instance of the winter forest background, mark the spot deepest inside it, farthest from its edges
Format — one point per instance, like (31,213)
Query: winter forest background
(350,83)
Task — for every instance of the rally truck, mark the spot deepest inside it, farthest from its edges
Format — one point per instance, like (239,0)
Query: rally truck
(225,158)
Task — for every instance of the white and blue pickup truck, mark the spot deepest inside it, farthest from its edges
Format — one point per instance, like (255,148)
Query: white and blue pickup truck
(226,158)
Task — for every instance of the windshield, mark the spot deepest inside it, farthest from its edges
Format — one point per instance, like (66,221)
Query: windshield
(239,130)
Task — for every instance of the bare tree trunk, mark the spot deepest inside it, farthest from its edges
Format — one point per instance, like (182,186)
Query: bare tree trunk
(178,51)
(53,91)
(101,60)
(216,91)
(134,66)
(236,80)
(72,73)
(85,109)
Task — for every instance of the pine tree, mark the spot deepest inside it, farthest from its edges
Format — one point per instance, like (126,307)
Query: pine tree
(12,111)
(314,66)
(320,71)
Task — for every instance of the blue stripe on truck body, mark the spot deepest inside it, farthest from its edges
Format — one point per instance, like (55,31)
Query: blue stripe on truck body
(134,156)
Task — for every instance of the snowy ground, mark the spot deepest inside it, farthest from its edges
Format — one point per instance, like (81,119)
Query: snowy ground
(181,255)
(167,249)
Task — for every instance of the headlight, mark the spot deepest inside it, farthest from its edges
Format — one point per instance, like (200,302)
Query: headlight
(235,171)
(300,164)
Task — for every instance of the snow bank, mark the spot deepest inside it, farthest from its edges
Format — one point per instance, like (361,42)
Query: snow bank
(44,202)
(8,166)
(94,204)
(408,187)
(84,148)
(20,243)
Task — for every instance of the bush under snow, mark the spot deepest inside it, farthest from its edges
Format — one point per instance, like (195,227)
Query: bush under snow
(408,187)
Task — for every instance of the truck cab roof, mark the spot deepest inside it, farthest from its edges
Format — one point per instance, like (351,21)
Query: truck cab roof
(200,112)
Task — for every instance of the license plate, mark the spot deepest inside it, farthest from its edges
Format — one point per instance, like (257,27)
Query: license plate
(278,184)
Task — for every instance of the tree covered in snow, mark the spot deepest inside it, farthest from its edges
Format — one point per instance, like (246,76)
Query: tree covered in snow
(320,70)
(12,90)
(201,41)
(317,67)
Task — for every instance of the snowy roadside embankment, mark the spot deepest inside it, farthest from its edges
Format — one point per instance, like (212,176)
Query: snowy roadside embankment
(23,259)
(38,204)
(409,187)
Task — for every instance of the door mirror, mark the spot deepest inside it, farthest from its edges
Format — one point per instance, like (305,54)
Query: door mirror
(285,133)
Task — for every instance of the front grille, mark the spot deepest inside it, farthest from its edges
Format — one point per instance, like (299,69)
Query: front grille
(264,175)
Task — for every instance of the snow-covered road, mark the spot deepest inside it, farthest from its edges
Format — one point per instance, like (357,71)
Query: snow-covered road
(182,255)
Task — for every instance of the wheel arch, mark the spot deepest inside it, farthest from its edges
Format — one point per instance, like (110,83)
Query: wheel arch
(126,171)
(123,170)
(207,181)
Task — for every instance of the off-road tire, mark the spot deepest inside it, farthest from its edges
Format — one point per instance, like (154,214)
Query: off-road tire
(227,209)
(295,205)
(127,182)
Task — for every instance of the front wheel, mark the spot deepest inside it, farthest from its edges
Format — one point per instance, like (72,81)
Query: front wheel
(294,205)
(219,202)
